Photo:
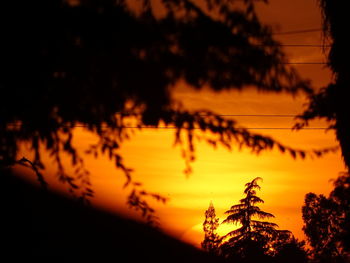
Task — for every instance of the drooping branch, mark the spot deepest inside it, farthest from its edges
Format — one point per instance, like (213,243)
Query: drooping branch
(97,64)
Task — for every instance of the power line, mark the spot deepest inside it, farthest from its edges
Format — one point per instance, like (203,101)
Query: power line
(245,128)
(304,45)
(195,128)
(297,45)
(305,63)
(256,115)
(228,115)
(284,128)
(298,31)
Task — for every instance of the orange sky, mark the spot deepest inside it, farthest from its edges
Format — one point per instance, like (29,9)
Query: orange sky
(219,175)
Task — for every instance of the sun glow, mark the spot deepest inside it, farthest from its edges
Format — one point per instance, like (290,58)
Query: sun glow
(195,234)
(219,175)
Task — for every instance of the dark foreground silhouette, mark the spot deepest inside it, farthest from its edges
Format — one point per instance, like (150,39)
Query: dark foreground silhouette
(45,227)
(96,64)
(255,240)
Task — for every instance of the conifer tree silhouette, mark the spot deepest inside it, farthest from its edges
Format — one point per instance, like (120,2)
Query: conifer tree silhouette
(211,240)
(254,238)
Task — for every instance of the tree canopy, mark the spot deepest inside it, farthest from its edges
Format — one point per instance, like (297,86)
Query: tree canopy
(211,240)
(331,102)
(326,219)
(326,222)
(254,238)
(111,67)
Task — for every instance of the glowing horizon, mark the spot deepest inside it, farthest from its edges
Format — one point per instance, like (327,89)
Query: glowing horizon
(219,175)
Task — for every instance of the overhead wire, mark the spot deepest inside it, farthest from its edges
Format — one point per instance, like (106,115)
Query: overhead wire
(300,31)
(245,128)
(259,115)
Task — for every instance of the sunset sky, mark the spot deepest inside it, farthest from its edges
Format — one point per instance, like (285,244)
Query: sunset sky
(219,175)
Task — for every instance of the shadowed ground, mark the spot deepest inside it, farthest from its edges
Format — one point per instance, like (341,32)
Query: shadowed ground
(43,226)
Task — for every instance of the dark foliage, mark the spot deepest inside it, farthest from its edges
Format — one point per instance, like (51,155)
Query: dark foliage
(332,102)
(110,66)
(290,250)
(326,222)
(327,219)
(254,240)
(211,240)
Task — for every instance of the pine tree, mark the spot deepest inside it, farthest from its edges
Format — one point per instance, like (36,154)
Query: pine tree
(211,240)
(253,237)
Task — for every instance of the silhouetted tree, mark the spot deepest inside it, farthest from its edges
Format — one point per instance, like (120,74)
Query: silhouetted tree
(254,239)
(326,222)
(110,66)
(332,102)
(341,195)
(290,250)
(319,228)
(211,240)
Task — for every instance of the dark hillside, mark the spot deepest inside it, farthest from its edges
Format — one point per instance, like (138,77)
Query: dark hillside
(46,227)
